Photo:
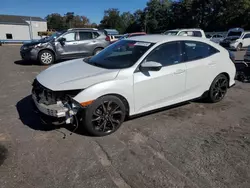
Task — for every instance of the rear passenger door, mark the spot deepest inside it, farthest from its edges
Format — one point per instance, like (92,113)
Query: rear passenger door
(87,42)
(201,62)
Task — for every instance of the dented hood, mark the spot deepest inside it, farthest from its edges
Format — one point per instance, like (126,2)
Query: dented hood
(74,74)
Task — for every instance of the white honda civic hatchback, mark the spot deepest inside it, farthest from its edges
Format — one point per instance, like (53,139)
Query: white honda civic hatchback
(130,77)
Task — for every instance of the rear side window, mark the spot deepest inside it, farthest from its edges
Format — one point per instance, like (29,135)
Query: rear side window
(85,35)
(95,35)
(195,50)
(197,34)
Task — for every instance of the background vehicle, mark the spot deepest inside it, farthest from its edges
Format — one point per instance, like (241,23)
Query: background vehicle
(217,38)
(73,43)
(236,39)
(186,32)
(128,35)
(247,55)
(133,76)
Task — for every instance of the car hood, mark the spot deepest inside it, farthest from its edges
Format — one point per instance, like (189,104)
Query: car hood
(74,74)
(230,39)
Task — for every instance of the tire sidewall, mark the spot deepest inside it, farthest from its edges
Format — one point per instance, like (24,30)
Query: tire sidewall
(97,51)
(210,97)
(87,120)
(46,51)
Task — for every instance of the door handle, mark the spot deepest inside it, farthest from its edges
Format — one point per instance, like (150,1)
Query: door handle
(179,71)
(75,43)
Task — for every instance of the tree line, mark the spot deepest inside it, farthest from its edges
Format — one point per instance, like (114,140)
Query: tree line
(161,15)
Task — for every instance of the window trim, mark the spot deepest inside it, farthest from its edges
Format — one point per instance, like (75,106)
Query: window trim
(185,53)
(180,50)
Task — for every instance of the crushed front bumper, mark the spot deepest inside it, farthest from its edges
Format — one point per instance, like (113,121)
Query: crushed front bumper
(55,113)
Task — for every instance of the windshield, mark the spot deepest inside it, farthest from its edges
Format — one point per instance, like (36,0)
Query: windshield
(122,54)
(234,33)
(123,37)
(51,37)
(171,32)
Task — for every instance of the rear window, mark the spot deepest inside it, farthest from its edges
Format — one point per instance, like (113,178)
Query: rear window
(197,34)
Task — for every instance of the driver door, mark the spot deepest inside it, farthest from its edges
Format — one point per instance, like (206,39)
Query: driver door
(156,89)
(69,48)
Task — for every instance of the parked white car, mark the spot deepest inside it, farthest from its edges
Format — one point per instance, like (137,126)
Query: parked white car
(192,32)
(133,76)
(236,39)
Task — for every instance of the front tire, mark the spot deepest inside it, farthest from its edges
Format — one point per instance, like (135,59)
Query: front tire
(104,116)
(46,57)
(218,89)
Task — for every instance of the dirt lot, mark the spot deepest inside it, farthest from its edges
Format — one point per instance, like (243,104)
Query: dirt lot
(194,145)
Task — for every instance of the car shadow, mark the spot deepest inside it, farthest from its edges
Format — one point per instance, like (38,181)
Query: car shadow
(26,62)
(29,117)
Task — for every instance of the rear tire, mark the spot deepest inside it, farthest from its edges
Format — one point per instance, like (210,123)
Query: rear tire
(97,51)
(218,89)
(46,57)
(104,116)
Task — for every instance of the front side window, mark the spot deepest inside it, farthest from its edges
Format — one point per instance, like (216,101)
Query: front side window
(85,35)
(122,54)
(69,37)
(247,36)
(166,54)
(195,50)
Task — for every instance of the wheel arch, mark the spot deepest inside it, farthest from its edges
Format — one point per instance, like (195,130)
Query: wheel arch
(228,77)
(123,99)
(99,47)
(46,49)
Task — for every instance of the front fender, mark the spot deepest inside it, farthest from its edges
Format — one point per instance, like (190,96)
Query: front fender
(123,87)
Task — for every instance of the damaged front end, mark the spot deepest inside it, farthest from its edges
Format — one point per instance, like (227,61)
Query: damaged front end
(57,106)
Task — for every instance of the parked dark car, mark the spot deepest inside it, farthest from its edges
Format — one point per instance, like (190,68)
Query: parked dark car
(69,44)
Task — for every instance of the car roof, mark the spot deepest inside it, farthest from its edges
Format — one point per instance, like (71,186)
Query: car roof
(189,29)
(155,38)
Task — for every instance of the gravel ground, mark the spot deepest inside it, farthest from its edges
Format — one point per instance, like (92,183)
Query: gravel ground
(193,145)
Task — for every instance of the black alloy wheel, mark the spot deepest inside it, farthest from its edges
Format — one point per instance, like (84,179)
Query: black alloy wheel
(218,89)
(105,116)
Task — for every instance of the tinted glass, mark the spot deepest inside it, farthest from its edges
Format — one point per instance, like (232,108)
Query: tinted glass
(95,35)
(197,50)
(166,54)
(85,35)
(234,33)
(197,34)
(247,36)
(171,32)
(122,54)
(69,36)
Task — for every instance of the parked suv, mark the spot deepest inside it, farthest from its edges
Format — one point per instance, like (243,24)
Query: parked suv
(69,44)
(236,39)
(186,32)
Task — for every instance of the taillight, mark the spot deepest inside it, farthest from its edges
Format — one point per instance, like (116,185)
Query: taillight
(107,38)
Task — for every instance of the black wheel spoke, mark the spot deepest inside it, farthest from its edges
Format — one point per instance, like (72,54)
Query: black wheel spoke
(97,119)
(107,117)
(219,89)
(117,112)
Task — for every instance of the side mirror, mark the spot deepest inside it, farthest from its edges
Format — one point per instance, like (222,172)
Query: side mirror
(151,65)
(62,40)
